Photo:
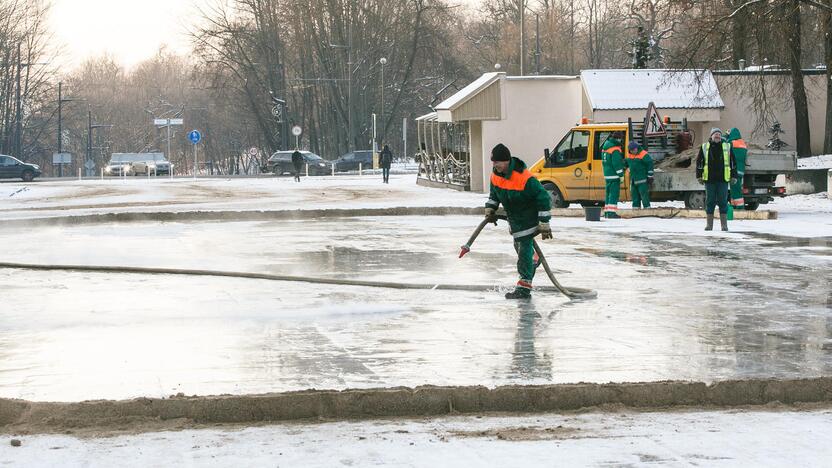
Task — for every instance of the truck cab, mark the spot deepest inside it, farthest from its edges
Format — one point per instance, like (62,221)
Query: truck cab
(572,170)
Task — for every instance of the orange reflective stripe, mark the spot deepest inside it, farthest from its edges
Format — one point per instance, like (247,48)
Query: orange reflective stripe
(739,143)
(637,156)
(612,150)
(516,182)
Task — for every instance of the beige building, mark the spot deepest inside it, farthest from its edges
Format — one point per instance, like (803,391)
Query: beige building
(529,114)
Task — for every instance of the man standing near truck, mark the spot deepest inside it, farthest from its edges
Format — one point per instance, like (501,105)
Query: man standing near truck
(613,164)
(641,175)
(716,168)
(527,205)
(740,150)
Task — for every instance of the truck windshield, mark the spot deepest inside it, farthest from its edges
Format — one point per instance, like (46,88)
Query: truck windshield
(572,149)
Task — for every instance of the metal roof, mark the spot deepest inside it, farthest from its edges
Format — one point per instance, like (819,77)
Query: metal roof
(635,89)
(469,91)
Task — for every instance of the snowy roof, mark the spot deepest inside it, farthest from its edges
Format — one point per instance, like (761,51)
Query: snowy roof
(469,91)
(635,89)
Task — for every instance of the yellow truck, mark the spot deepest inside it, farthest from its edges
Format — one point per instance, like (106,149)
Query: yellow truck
(572,171)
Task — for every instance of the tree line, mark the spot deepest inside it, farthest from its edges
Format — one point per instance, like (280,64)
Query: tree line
(259,67)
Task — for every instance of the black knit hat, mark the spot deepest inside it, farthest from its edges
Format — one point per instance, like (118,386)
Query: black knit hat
(500,153)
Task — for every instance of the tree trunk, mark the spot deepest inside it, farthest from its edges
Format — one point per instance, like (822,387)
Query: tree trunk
(739,31)
(801,107)
(827,42)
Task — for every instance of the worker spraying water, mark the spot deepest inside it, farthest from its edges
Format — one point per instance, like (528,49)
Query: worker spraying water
(527,206)
(528,211)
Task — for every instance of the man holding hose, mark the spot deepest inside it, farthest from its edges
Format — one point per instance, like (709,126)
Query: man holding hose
(527,206)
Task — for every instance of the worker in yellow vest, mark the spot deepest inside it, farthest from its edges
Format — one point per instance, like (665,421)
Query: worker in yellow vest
(716,168)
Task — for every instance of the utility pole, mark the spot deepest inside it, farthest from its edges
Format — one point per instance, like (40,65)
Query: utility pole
(522,37)
(537,44)
(349,76)
(90,128)
(18,149)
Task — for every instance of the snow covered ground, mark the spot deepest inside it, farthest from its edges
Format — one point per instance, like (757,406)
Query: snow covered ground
(757,437)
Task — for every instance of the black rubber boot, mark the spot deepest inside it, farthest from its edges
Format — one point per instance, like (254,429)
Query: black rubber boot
(709,222)
(519,293)
(723,220)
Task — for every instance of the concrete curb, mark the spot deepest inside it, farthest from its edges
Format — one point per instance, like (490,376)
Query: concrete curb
(406,402)
(181,216)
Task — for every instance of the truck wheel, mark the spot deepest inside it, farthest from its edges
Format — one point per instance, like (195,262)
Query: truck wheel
(752,205)
(556,196)
(695,201)
(27,176)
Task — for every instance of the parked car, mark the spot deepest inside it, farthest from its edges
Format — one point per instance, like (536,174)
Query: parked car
(281,163)
(137,164)
(350,161)
(13,168)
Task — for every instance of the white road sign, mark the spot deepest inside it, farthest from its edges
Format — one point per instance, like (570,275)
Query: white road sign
(654,123)
(296,130)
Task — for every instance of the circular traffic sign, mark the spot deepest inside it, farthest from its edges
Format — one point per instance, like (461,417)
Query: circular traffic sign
(252,151)
(194,136)
(296,130)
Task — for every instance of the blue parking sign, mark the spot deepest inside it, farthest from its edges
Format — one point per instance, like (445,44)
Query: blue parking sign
(194,136)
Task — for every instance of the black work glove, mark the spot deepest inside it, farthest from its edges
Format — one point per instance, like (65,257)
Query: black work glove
(491,215)
(545,231)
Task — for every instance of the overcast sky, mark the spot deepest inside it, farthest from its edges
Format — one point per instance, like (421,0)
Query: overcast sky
(129,30)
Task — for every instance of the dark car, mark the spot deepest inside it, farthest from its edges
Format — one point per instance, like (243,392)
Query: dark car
(350,161)
(281,163)
(13,168)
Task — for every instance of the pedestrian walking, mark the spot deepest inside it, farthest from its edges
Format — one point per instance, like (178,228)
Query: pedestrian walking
(297,162)
(386,160)
(640,165)
(527,206)
(613,163)
(716,168)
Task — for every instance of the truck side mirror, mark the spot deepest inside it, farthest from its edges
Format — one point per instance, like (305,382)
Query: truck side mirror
(546,153)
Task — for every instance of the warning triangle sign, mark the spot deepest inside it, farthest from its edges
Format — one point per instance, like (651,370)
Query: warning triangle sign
(653,124)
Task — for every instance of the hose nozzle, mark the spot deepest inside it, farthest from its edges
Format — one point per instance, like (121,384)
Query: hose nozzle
(464,250)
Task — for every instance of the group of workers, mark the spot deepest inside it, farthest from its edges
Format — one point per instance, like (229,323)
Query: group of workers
(720,166)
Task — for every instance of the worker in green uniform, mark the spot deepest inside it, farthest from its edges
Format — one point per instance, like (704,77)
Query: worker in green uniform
(527,206)
(613,163)
(640,165)
(740,151)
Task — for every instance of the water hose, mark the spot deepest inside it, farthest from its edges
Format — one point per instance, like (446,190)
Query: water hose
(570,292)
(248,275)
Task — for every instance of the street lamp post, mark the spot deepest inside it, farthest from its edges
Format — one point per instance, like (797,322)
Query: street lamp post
(383,62)
(90,128)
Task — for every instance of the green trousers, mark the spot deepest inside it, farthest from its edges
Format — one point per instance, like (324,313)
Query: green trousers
(737,198)
(525,258)
(613,188)
(641,195)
